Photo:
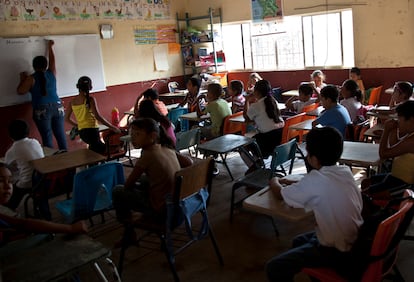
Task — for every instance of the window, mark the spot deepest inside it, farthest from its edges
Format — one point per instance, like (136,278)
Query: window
(294,42)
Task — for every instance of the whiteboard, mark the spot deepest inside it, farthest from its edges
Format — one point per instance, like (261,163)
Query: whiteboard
(75,55)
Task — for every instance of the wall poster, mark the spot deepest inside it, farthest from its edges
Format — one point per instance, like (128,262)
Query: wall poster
(266,9)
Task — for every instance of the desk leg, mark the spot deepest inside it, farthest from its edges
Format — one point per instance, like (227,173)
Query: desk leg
(223,159)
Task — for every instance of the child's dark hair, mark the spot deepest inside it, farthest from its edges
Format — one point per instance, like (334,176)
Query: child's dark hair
(306,89)
(355,70)
(264,88)
(405,88)
(151,93)
(353,87)
(39,64)
(85,85)
(326,144)
(330,92)
(195,82)
(215,89)
(18,129)
(237,86)
(405,109)
(149,125)
(147,109)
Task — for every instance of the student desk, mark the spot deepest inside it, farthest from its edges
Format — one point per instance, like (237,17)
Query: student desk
(265,202)
(193,116)
(223,145)
(303,125)
(45,258)
(291,93)
(67,160)
(361,154)
(173,97)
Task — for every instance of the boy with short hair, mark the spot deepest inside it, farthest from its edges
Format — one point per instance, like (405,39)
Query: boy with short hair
(18,156)
(218,109)
(334,115)
(296,103)
(330,191)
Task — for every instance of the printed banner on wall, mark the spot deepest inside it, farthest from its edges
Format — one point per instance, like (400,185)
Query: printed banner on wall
(36,10)
(155,34)
(266,9)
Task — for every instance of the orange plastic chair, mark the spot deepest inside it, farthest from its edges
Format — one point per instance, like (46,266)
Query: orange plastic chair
(288,134)
(310,107)
(374,96)
(386,259)
(230,127)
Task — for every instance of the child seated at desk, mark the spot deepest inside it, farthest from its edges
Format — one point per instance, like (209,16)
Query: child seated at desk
(403,91)
(318,82)
(295,104)
(355,75)
(397,142)
(253,78)
(218,109)
(18,157)
(159,162)
(22,227)
(352,97)
(193,87)
(335,115)
(330,191)
(237,99)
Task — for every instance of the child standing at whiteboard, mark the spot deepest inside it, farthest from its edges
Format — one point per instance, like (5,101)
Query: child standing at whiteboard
(48,111)
(87,116)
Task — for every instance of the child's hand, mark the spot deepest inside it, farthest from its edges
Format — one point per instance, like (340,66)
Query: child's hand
(79,227)
(50,43)
(23,75)
(284,181)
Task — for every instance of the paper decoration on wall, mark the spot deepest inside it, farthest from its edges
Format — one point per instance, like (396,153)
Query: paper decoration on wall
(154,34)
(161,57)
(266,9)
(36,10)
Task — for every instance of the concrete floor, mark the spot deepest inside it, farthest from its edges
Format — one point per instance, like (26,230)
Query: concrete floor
(246,244)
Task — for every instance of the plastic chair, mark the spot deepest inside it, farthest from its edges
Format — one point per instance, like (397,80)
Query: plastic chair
(116,147)
(92,191)
(383,252)
(188,140)
(287,133)
(374,95)
(193,185)
(174,116)
(259,178)
(230,127)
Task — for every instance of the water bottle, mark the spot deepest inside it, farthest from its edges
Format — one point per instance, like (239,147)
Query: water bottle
(115,116)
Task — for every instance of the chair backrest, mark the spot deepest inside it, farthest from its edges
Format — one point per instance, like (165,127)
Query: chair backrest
(191,179)
(288,134)
(384,236)
(187,139)
(375,95)
(310,107)
(115,147)
(230,127)
(174,116)
(92,189)
(283,153)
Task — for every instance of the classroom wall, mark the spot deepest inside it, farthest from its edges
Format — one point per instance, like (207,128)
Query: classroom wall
(383,49)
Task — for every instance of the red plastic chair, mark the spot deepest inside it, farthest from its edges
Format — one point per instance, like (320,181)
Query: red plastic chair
(234,127)
(374,96)
(385,263)
(288,134)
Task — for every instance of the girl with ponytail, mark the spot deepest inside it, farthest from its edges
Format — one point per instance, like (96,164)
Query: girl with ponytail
(48,111)
(158,162)
(86,112)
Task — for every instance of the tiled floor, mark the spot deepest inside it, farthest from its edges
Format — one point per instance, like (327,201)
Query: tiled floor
(246,244)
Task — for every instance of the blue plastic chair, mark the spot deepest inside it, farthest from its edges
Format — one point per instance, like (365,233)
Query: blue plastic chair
(188,140)
(92,191)
(174,117)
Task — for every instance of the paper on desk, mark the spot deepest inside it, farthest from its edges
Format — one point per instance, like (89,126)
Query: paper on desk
(161,57)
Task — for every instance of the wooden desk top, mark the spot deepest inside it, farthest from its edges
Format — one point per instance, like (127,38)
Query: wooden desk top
(43,259)
(67,160)
(291,93)
(225,143)
(193,116)
(303,125)
(265,202)
(360,153)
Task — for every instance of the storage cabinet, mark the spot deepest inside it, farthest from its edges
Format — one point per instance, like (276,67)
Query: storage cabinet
(201,43)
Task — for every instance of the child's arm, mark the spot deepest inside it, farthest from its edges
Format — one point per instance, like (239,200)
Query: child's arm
(26,82)
(43,226)
(133,177)
(275,186)
(100,118)
(68,115)
(249,99)
(289,103)
(51,54)
(390,146)
(198,107)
